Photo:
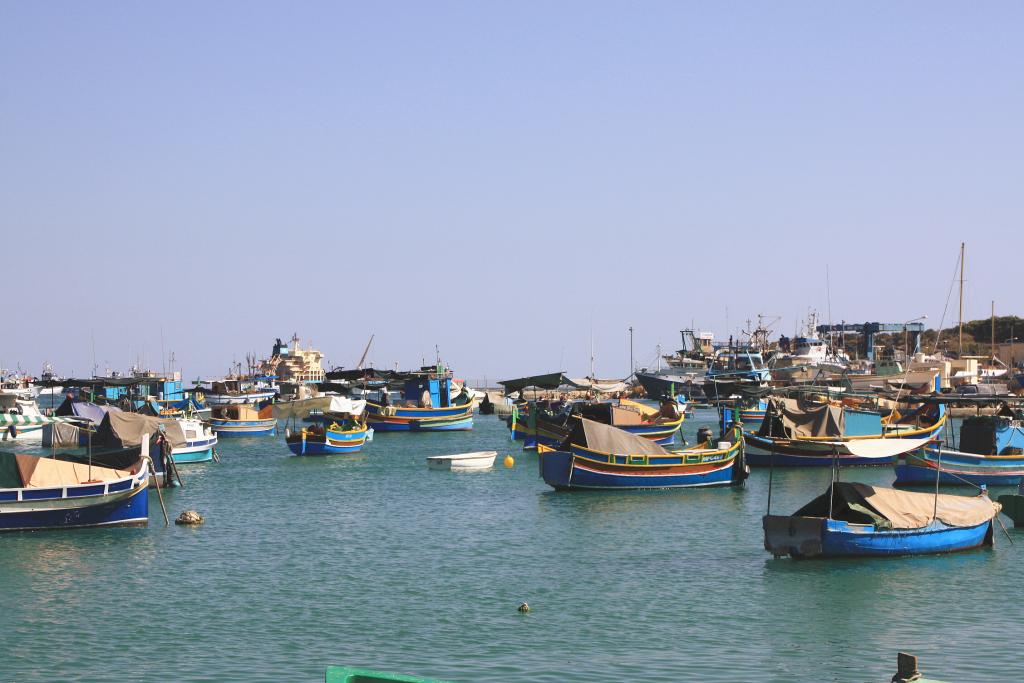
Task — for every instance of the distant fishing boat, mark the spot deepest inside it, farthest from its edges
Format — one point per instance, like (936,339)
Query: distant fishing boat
(733,370)
(237,391)
(19,385)
(427,404)
(44,493)
(598,456)
(672,383)
(991,453)
(801,433)
(852,519)
(243,420)
(480,460)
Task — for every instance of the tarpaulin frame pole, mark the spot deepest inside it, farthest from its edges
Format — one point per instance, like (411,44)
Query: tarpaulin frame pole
(835,475)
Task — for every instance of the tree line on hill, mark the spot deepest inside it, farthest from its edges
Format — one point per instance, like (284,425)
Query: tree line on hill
(977,338)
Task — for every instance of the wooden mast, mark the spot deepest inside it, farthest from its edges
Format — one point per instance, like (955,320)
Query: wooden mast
(961,351)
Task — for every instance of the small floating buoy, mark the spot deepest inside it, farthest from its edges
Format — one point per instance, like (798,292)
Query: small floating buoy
(524,608)
(190,517)
(509,462)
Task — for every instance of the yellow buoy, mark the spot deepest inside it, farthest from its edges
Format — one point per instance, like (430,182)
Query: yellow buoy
(509,461)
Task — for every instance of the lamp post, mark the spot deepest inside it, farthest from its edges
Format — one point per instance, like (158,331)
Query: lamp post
(632,365)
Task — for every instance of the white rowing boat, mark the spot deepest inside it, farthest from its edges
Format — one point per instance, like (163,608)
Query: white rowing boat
(480,460)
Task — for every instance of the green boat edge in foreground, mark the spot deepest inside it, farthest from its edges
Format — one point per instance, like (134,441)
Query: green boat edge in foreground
(347,674)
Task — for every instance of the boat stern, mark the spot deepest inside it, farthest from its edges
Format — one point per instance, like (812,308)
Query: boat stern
(793,536)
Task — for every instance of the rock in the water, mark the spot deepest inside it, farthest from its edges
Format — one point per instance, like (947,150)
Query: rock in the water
(189,517)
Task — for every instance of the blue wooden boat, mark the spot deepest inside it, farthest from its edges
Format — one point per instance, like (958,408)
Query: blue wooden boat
(427,405)
(45,493)
(200,442)
(333,439)
(991,453)
(801,433)
(598,456)
(549,422)
(243,420)
(750,414)
(852,519)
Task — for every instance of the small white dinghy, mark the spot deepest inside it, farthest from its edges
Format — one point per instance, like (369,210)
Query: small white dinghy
(481,460)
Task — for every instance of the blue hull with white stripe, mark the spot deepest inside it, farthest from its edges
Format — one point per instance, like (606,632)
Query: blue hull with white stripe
(123,502)
(836,538)
(244,428)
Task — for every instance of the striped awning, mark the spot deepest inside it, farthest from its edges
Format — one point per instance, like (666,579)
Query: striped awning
(7,419)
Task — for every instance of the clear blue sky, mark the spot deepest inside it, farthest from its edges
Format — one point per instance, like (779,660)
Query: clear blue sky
(491,177)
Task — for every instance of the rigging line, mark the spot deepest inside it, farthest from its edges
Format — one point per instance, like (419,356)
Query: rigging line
(938,333)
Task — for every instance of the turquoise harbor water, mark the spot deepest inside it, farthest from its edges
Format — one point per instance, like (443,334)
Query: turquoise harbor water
(374,560)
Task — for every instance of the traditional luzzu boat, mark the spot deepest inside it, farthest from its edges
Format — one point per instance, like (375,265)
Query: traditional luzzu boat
(340,428)
(550,422)
(852,519)
(798,433)
(990,453)
(333,439)
(243,420)
(599,456)
(427,405)
(44,493)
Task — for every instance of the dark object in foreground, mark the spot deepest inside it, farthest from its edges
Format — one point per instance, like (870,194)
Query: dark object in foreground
(346,674)
(906,670)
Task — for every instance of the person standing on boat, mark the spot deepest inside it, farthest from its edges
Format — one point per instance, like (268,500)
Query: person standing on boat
(384,398)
